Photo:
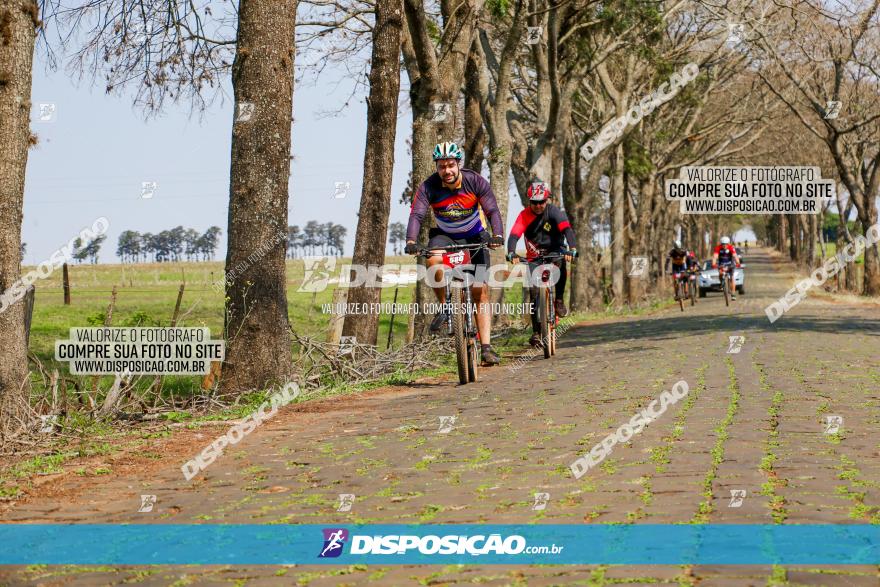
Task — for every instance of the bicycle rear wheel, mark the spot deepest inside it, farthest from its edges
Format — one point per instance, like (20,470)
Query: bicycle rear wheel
(458,329)
(551,322)
(679,293)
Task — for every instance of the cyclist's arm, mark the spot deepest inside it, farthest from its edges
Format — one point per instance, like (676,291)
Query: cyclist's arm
(519,227)
(489,205)
(417,214)
(565,228)
(735,257)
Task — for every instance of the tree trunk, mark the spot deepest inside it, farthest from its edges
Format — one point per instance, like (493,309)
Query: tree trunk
(423,166)
(375,205)
(811,243)
(618,226)
(637,290)
(794,242)
(475,135)
(258,350)
(871,283)
(17,38)
(579,203)
(781,232)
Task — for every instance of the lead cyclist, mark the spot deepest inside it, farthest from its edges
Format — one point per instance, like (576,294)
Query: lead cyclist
(461,200)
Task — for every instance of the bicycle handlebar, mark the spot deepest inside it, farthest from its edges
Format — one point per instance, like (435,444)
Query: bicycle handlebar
(425,251)
(549,256)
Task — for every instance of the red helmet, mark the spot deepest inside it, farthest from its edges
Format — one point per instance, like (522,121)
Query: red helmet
(538,192)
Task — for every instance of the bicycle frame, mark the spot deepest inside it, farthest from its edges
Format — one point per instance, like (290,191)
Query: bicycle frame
(460,322)
(460,256)
(544,265)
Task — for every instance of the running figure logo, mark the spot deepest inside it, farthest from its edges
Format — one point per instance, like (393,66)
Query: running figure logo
(47,112)
(147,503)
(245,111)
(446,424)
(533,37)
(833,424)
(832,109)
(735,344)
(736,498)
(637,266)
(340,189)
(334,540)
(735,33)
(317,273)
(541,500)
(440,111)
(345,502)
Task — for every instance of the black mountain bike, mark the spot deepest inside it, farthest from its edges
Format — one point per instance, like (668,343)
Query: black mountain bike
(461,318)
(541,268)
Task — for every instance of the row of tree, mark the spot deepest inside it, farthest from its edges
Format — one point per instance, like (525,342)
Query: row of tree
(326,238)
(169,245)
(522,84)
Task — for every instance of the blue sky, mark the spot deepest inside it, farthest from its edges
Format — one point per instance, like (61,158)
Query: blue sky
(92,158)
(94,155)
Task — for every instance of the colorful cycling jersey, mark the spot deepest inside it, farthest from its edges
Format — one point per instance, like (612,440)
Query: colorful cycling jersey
(725,254)
(542,233)
(678,256)
(459,210)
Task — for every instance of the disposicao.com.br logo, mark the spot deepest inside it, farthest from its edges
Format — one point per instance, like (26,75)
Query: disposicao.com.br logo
(403,544)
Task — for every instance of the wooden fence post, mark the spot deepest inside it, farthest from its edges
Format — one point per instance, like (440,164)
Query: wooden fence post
(337,319)
(66,278)
(29,295)
(391,324)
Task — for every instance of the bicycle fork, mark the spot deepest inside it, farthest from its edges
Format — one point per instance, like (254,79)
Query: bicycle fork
(470,319)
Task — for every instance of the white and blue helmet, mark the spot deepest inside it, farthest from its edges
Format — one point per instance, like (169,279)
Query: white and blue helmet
(448,150)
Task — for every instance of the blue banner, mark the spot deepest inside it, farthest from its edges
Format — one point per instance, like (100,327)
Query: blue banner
(640,544)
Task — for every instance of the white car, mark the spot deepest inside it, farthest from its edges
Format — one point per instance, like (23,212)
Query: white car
(708,279)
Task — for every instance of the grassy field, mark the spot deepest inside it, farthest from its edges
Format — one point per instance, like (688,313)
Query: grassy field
(146,295)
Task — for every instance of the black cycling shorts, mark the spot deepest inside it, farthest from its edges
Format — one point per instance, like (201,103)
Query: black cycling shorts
(437,239)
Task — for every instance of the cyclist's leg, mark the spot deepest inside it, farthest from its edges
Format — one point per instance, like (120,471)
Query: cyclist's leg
(436,241)
(533,296)
(676,270)
(563,279)
(480,293)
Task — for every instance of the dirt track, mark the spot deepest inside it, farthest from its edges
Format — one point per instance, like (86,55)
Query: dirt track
(762,410)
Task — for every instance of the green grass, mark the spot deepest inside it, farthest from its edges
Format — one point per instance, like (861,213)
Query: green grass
(717,452)
(146,295)
(831,250)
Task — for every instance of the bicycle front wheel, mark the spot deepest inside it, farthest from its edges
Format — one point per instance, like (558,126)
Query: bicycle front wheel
(544,319)
(725,285)
(473,364)
(459,330)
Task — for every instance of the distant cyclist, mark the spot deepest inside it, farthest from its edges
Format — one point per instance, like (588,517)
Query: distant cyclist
(725,254)
(546,230)
(681,261)
(461,199)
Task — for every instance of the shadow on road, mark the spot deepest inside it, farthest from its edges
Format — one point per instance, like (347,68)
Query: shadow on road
(672,328)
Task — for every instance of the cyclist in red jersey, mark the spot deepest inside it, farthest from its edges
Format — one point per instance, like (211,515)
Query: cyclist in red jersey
(546,229)
(725,254)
